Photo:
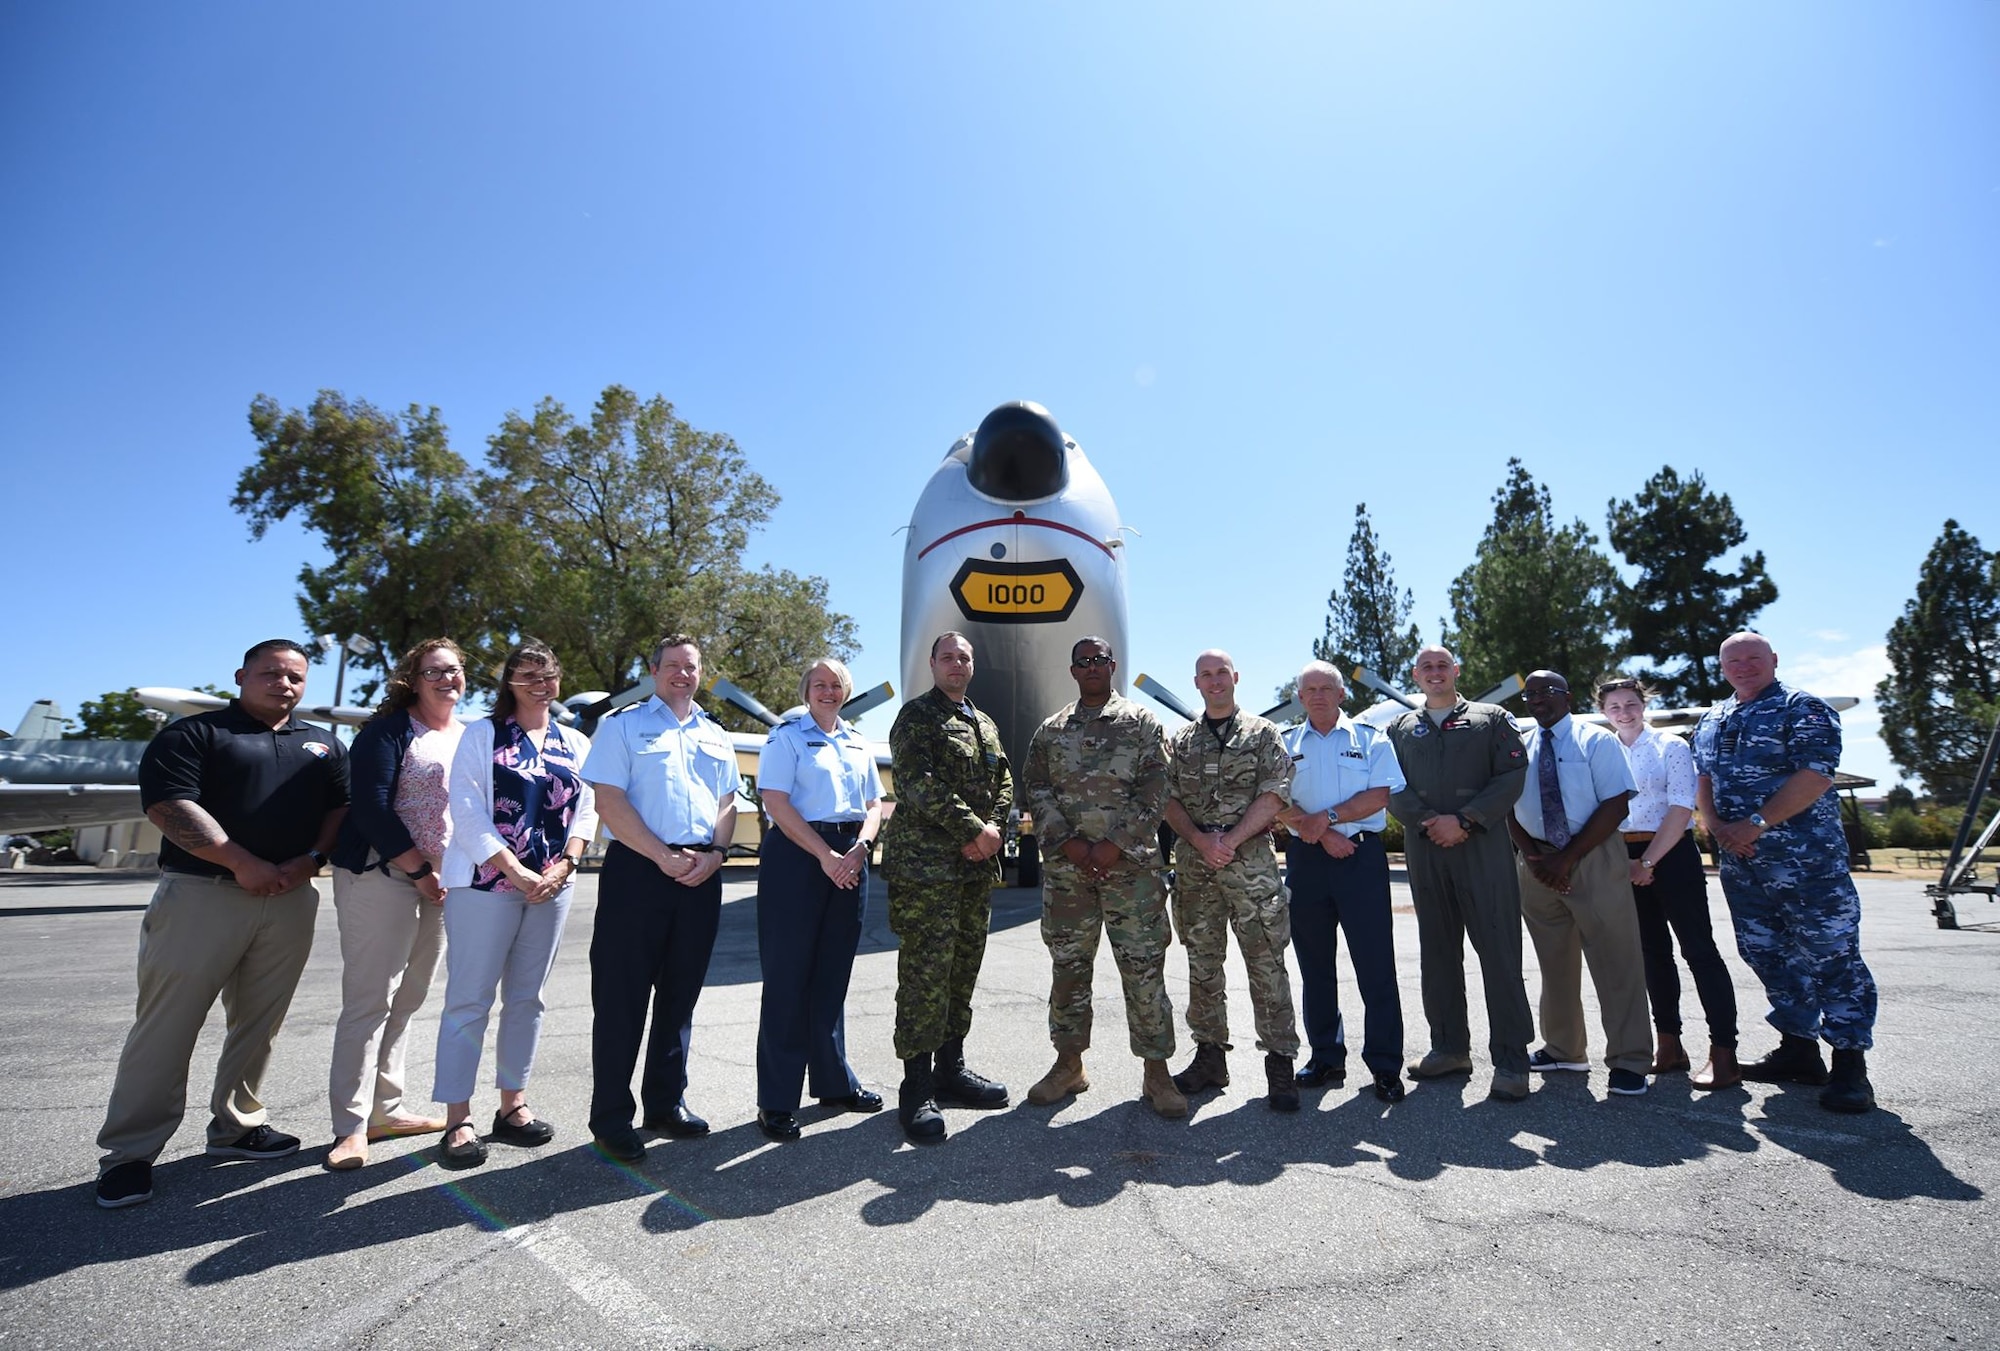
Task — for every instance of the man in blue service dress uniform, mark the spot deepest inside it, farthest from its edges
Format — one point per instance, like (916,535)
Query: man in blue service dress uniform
(1338,874)
(1765,757)
(666,782)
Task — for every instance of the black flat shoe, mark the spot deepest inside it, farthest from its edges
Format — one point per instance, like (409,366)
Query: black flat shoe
(468,1155)
(778,1125)
(1316,1075)
(679,1123)
(1389,1087)
(860,1100)
(527,1134)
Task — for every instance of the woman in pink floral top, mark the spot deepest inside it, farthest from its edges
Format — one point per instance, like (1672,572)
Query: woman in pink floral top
(521,818)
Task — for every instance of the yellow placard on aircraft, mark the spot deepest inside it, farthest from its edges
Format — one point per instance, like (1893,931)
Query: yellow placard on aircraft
(1017,593)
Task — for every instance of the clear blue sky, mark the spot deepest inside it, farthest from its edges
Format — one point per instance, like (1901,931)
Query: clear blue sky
(1261,262)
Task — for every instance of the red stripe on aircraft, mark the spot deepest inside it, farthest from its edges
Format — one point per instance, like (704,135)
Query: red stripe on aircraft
(1018,518)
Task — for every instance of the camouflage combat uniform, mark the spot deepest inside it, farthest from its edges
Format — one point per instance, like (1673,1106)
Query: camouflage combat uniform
(1101,774)
(1215,781)
(1796,913)
(952,781)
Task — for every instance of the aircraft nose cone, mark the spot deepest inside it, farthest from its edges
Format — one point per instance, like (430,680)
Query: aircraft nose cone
(1018,455)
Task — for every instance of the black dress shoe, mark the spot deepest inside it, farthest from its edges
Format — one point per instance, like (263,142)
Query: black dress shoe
(860,1100)
(527,1134)
(778,1125)
(1316,1075)
(679,1123)
(1389,1086)
(470,1154)
(621,1143)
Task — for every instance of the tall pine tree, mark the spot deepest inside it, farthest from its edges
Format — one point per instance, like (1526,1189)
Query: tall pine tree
(1537,595)
(1939,703)
(1680,609)
(1368,620)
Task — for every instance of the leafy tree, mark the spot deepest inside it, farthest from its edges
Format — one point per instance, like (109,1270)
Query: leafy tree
(1368,620)
(1943,692)
(1680,609)
(413,555)
(595,537)
(1537,595)
(640,521)
(114,716)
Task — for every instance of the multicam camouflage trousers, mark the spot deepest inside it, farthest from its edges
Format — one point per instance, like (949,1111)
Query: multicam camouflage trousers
(941,924)
(1798,925)
(1247,897)
(1130,906)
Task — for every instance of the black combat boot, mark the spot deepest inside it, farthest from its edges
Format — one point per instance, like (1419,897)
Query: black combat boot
(922,1121)
(957,1086)
(1208,1069)
(1848,1089)
(1795,1061)
(1283,1087)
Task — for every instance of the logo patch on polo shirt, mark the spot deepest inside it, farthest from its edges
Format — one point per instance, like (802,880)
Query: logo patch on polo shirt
(319,748)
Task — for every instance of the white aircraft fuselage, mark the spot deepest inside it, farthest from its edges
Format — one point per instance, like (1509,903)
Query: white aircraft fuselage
(1016,543)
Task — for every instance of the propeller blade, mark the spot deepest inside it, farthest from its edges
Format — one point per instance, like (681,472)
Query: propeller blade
(867,699)
(1506,689)
(1289,711)
(1367,678)
(1165,697)
(737,697)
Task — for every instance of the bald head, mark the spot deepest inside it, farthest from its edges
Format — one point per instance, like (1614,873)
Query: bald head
(1748,664)
(1436,674)
(1215,679)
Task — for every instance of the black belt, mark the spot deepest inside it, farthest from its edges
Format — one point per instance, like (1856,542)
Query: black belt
(842,832)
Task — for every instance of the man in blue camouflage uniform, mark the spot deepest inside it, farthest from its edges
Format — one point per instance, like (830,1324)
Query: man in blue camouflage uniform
(941,851)
(1766,758)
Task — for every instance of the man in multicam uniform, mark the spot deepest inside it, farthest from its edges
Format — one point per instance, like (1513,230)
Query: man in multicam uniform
(941,852)
(1096,782)
(1766,758)
(1229,775)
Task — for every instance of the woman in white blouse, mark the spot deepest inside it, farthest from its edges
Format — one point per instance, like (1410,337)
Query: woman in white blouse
(521,817)
(1670,889)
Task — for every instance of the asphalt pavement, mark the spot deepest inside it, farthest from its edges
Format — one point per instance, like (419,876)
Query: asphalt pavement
(1745,1218)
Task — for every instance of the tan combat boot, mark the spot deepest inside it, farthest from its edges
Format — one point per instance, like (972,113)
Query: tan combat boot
(1159,1092)
(1065,1077)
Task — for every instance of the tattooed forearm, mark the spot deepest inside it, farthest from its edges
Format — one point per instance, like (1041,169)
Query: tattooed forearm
(188,826)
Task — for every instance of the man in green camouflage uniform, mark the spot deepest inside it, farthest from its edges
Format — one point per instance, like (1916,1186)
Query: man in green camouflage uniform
(941,851)
(1097,783)
(1229,777)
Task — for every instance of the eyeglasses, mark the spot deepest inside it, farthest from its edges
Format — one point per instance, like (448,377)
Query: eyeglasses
(437,673)
(1085,663)
(536,681)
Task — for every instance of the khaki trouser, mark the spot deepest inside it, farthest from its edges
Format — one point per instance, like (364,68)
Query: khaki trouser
(1598,923)
(202,938)
(390,939)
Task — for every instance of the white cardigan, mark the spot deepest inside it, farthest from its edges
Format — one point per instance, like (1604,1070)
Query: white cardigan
(474,837)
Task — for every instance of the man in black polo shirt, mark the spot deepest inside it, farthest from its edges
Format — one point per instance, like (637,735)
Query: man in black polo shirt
(247,802)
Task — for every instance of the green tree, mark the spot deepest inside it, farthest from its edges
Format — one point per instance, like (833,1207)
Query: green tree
(642,520)
(413,554)
(1368,619)
(1943,692)
(1537,595)
(114,716)
(1679,609)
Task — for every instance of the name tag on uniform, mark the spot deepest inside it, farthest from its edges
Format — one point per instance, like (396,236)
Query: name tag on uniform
(1456,724)
(815,743)
(1349,755)
(1300,756)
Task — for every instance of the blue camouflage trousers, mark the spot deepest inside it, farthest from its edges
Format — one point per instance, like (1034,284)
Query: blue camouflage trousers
(1798,926)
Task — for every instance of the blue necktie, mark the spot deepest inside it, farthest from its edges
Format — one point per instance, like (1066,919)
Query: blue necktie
(1555,821)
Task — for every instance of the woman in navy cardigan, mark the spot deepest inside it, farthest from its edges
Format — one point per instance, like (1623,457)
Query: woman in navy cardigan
(388,895)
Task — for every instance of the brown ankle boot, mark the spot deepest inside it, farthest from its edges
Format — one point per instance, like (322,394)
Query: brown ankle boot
(1721,1071)
(1671,1057)
(1065,1077)
(1159,1092)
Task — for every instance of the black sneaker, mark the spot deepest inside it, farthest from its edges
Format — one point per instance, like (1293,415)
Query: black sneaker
(1627,1083)
(125,1184)
(259,1142)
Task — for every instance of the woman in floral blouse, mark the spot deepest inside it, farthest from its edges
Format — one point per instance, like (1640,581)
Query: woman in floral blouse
(521,819)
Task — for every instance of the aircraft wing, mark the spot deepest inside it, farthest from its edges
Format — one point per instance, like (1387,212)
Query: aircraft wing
(29,807)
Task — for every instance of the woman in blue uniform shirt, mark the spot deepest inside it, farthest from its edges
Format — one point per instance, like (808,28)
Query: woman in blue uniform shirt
(818,783)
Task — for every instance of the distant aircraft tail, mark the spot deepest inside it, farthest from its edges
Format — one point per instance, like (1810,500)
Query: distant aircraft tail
(42,722)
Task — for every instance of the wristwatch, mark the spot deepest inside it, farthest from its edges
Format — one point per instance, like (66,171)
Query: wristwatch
(319,859)
(1757,820)
(1647,864)
(421,871)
